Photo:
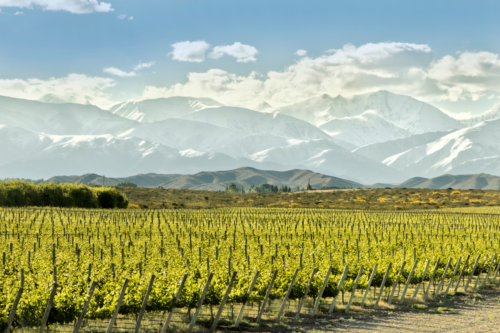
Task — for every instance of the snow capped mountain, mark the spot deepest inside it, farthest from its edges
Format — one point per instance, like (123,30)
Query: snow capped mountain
(402,111)
(257,122)
(364,129)
(398,137)
(323,155)
(381,150)
(51,98)
(493,113)
(104,154)
(151,110)
(60,119)
(468,151)
(316,110)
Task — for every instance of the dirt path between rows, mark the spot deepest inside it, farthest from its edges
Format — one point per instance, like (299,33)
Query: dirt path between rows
(472,314)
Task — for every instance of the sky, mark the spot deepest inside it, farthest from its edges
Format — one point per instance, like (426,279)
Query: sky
(247,52)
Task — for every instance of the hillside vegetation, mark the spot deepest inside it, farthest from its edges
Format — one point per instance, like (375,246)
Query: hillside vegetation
(382,199)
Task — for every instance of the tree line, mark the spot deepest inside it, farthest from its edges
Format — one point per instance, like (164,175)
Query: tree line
(18,193)
(262,188)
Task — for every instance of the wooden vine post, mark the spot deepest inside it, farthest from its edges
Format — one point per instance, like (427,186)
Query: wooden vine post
(471,274)
(47,309)
(117,308)
(200,302)
(432,279)
(301,302)
(144,304)
(488,273)
(422,278)
(396,283)
(462,272)
(479,274)
(440,285)
(85,307)
(382,286)
(177,296)
(223,303)
(369,285)
(408,281)
(242,309)
(339,288)
(259,315)
(322,290)
(13,310)
(353,292)
(288,292)
(453,276)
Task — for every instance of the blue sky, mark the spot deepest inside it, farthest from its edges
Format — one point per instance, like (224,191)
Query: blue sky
(53,43)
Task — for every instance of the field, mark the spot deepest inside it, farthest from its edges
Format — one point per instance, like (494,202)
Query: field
(373,199)
(412,255)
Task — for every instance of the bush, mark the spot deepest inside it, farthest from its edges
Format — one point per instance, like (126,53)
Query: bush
(17,193)
(126,184)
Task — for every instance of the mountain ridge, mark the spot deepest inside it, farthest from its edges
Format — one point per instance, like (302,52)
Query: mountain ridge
(217,180)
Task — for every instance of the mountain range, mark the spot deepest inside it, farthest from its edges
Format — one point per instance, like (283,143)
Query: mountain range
(246,176)
(376,137)
(458,182)
(217,180)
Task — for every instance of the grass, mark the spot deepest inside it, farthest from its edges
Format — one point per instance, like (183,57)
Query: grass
(419,306)
(460,201)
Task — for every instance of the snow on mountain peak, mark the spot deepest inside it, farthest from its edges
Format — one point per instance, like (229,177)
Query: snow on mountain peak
(152,110)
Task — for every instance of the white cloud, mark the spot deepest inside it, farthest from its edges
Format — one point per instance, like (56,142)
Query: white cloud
(400,67)
(72,6)
(124,16)
(471,74)
(144,65)
(118,72)
(301,52)
(242,52)
(75,88)
(189,51)
(18,13)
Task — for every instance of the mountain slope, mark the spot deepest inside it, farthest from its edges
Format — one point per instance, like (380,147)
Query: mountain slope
(326,157)
(402,111)
(60,118)
(151,110)
(251,176)
(493,113)
(465,151)
(381,150)
(364,129)
(255,122)
(141,180)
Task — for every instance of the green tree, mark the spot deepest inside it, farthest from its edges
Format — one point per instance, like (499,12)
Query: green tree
(232,188)
(126,184)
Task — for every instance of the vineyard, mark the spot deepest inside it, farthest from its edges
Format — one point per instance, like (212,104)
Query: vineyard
(63,266)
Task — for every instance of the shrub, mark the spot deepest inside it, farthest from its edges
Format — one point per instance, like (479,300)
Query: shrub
(16,193)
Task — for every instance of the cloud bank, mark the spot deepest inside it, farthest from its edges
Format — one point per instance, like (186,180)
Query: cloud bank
(403,68)
(72,6)
(75,88)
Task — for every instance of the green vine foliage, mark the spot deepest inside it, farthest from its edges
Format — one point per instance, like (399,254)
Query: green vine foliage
(136,244)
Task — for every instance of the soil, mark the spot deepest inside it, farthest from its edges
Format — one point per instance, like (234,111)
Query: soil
(459,313)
